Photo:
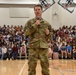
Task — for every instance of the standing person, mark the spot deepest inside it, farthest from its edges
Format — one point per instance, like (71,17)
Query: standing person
(38,31)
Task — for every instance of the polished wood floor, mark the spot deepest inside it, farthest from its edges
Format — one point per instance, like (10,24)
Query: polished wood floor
(20,67)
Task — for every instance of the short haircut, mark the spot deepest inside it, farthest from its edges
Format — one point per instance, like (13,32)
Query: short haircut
(38,5)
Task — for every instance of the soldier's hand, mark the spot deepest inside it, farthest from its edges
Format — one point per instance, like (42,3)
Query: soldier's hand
(37,22)
(47,31)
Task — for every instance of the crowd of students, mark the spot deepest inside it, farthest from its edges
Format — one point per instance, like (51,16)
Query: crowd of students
(13,43)
(63,44)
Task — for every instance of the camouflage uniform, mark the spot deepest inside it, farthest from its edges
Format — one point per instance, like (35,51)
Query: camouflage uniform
(38,46)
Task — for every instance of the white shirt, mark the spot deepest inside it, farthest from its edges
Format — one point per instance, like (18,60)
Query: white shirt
(4,50)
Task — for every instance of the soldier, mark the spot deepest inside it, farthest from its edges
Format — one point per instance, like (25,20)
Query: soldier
(38,31)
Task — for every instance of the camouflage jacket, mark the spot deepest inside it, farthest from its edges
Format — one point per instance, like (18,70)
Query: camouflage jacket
(37,34)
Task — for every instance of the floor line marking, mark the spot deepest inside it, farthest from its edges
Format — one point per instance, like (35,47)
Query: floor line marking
(22,68)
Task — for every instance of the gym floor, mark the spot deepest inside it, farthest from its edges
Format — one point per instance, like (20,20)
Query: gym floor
(20,67)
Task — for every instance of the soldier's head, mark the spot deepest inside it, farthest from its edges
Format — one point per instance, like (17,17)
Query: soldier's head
(38,10)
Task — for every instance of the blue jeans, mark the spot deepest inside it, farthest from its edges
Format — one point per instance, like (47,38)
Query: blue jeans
(14,55)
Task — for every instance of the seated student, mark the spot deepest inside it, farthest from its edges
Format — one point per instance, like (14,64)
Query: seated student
(55,51)
(9,51)
(74,51)
(14,52)
(4,52)
(63,50)
(0,51)
(23,50)
(69,50)
(50,52)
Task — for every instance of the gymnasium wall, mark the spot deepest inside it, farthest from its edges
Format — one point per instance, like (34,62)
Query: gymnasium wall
(7,17)
(62,16)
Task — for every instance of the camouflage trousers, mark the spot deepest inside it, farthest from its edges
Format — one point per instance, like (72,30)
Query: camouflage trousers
(34,54)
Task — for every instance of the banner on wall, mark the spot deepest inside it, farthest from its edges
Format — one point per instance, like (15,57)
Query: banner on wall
(46,4)
(69,5)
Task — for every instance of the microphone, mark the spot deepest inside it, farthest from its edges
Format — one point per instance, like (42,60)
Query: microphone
(38,18)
